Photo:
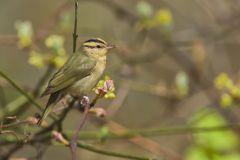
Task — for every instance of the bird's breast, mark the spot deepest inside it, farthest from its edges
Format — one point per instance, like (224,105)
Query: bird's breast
(85,85)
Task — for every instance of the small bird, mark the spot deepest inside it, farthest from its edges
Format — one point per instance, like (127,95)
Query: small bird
(79,75)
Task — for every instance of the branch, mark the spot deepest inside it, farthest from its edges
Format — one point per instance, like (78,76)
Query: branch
(26,95)
(73,142)
(41,33)
(14,124)
(43,79)
(75,35)
(87,105)
(153,132)
(40,136)
(110,153)
(179,130)
(143,132)
(19,89)
(82,145)
(19,105)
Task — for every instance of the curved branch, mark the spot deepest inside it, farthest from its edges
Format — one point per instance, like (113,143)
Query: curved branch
(110,153)
(19,89)
(26,95)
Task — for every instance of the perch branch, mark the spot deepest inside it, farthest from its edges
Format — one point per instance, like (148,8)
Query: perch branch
(73,142)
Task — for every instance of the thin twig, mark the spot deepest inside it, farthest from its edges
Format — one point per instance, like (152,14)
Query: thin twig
(12,151)
(14,124)
(75,35)
(3,100)
(64,114)
(11,133)
(20,108)
(139,140)
(110,153)
(73,142)
(151,132)
(42,81)
(19,89)
(37,138)
(41,34)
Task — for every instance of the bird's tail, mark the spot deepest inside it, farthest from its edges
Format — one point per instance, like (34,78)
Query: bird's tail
(45,113)
(53,99)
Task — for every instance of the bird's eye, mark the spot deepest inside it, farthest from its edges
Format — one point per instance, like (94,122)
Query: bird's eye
(98,46)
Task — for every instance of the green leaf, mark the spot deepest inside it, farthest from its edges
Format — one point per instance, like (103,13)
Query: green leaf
(223,81)
(36,59)
(24,33)
(56,43)
(226,100)
(182,84)
(194,153)
(103,134)
(144,9)
(214,145)
(164,17)
(215,140)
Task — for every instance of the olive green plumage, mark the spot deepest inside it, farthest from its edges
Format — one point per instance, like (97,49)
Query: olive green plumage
(79,74)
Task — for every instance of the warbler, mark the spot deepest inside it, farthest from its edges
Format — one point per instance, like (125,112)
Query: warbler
(79,75)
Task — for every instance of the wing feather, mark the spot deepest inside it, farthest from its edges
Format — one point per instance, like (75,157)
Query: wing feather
(77,67)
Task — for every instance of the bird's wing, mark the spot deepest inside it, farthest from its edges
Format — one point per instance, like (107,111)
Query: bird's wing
(77,67)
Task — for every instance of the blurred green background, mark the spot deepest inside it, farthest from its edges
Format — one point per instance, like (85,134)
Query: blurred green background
(176,65)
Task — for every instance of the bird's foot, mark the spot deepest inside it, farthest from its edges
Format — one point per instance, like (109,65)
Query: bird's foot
(82,103)
(85,101)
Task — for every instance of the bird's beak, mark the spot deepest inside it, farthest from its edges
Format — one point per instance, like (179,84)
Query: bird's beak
(110,46)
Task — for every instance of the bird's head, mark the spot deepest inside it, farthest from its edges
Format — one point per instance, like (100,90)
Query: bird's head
(96,47)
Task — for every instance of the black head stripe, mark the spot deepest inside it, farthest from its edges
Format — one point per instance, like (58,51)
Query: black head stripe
(95,40)
(89,46)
